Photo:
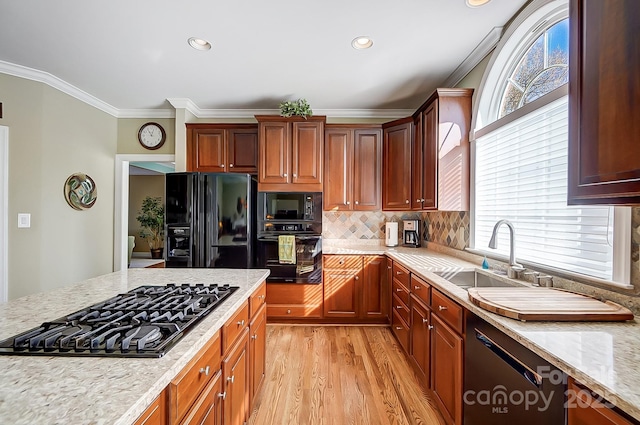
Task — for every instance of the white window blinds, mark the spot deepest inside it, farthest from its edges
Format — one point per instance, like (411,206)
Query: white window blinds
(521,176)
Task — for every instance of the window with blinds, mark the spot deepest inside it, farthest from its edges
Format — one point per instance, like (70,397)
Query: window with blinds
(521,176)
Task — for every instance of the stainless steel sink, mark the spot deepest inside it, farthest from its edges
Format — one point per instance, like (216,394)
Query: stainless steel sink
(477,279)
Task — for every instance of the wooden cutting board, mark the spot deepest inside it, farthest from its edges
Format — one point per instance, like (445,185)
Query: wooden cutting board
(546,304)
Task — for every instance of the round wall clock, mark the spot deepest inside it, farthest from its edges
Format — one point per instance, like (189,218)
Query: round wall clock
(151,135)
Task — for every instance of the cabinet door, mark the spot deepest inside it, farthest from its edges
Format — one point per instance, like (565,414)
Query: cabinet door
(242,150)
(274,151)
(446,370)
(367,169)
(374,293)
(396,189)
(206,151)
(307,151)
(416,166)
(337,193)
(235,368)
(257,352)
(207,409)
(430,156)
(604,102)
(341,293)
(421,338)
(586,408)
(156,413)
(388,284)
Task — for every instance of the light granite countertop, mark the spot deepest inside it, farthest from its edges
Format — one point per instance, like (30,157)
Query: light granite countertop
(605,356)
(102,390)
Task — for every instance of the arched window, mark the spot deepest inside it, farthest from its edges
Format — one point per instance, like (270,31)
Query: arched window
(521,149)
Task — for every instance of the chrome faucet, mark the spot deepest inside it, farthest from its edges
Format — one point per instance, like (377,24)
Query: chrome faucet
(514,267)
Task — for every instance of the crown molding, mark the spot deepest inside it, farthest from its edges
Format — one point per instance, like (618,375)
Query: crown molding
(483,48)
(146,113)
(58,84)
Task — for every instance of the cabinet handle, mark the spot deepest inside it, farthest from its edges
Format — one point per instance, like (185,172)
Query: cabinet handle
(398,307)
(416,287)
(222,395)
(425,320)
(205,370)
(398,328)
(356,202)
(285,174)
(241,322)
(230,165)
(221,165)
(389,267)
(231,378)
(288,311)
(430,327)
(254,337)
(406,201)
(357,277)
(442,307)
(261,297)
(295,175)
(399,290)
(348,203)
(417,200)
(398,273)
(422,200)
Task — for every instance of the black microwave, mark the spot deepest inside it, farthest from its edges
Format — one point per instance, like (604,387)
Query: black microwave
(289,212)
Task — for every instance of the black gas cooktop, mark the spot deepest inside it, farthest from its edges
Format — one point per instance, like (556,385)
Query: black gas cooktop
(144,322)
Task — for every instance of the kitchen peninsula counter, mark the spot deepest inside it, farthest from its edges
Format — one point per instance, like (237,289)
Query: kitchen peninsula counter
(605,356)
(102,390)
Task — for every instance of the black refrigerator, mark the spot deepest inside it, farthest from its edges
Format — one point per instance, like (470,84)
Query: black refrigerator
(210,220)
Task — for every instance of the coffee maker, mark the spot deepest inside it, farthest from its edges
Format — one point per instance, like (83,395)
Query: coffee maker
(411,233)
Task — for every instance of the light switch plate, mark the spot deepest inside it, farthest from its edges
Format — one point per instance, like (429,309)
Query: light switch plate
(24,220)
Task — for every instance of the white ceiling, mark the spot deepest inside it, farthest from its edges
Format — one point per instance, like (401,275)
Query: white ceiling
(133,55)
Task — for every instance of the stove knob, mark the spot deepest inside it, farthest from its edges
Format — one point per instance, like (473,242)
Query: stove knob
(205,370)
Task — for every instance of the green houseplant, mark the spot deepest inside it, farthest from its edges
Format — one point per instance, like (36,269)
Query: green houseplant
(151,218)
(298,107)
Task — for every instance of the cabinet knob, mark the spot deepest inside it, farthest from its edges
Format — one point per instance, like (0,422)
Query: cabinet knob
(398,272)
(285,174)
(348,203)
(221,165)
(416,287)
(357,277)
(205,370)
(230,165)
(406,201)
(417,200)
(425,320)
(399,307)
(261,297)
(430,327)
(222,395)
(442,307)
(254,337)
(422,200)
(398,328)
(356,202)
(288,311)
(295,175)
(241,322)
(399,290)
(231,378)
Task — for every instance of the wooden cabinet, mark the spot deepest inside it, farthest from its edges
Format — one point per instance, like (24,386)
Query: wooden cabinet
(443,122)
(290,153)
(156,413)
(587,408)
(235,374)
(396,160)
(355,287)
(219,148)
(207,409)
(353,164)
(293,301)
(604,102)
(400,320)
(257,351)
(420,330)
(447,356)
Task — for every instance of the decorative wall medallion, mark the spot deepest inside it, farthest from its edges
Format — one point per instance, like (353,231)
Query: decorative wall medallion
(80,191)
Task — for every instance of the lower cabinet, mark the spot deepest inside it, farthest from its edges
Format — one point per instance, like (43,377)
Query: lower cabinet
(294,301)
(207,410)
(447,358)
(235,374)
(257,352)
(586,408)
(156,413)
(421,339)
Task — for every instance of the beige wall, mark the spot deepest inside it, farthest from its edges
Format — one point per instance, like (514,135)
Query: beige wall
(51,136)
(139,188)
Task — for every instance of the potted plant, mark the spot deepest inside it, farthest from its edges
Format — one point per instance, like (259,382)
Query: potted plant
(151,218)
(298,107)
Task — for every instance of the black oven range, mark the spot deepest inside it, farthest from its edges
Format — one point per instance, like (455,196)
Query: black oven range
(144,322)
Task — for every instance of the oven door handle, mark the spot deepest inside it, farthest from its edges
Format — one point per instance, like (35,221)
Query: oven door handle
(531,376)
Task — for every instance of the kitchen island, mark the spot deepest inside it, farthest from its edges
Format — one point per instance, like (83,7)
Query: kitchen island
(103,390)
(604,356)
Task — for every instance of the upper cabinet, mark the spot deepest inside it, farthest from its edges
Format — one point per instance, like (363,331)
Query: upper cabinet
(604,102)
(353,168)
(220,148)
(290,153)
(397,173)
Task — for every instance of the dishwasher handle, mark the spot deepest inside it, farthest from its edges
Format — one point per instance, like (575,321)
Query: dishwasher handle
(531,376)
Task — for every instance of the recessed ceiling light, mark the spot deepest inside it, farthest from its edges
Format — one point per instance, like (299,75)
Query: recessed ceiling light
(199,43)
(362,42)
(477,3)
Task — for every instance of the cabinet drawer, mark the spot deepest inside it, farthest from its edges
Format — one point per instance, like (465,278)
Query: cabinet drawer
(294,311)
(400,291)
(257,300)
(421,289)
(235,326)
(185,388)
(341,262)
(401,308)
(447,309)
(204,409)
(400,330)
(401,274)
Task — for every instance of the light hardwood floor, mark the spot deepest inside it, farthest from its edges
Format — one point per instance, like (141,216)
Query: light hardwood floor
(339,375)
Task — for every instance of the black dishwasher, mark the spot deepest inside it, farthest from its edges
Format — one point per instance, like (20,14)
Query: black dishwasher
(506,383)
